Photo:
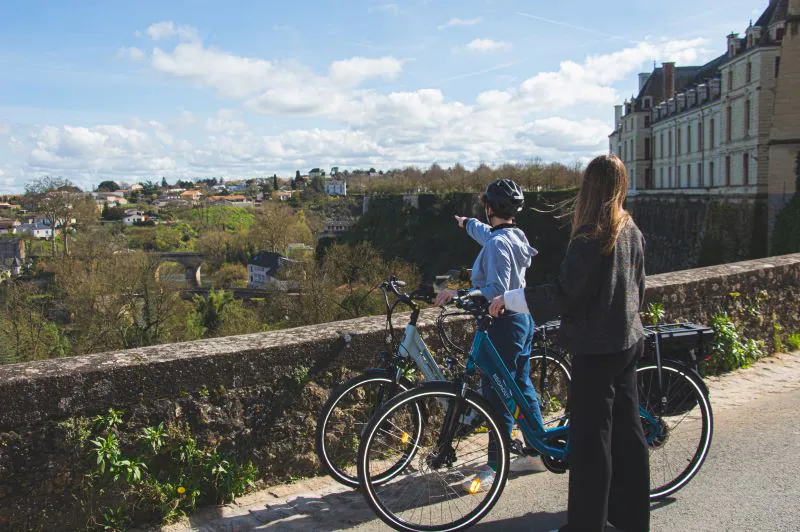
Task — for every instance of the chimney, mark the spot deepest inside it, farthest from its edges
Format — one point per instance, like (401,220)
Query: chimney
(643,77)
(702,91)
(617,116)
(669,80)
(715,87)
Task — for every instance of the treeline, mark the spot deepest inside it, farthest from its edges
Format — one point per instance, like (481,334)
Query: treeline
(531,176)
(103,297)
(427,236)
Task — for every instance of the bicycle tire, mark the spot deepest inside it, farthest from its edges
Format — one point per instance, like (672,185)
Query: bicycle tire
(438,391)
(676,376)
(553,393)
(322,436)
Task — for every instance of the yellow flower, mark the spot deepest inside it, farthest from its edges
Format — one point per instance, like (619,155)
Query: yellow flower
(181,490)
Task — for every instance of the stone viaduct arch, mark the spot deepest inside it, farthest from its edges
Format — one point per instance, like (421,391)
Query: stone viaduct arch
(192,262)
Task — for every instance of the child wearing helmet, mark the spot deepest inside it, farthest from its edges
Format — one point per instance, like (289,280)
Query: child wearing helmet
(499,267)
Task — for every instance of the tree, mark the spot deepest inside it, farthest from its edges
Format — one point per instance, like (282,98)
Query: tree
(149,189)
(275,182)
(54,197)
(231,276)
(297,175)
(277,226)
(108,186)
(164,183)
(25,332)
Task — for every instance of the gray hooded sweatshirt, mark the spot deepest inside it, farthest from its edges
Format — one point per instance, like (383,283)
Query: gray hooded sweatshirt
(502,262)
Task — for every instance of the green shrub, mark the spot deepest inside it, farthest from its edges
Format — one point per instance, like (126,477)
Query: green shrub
(794,341)
(161,473)
(729,349)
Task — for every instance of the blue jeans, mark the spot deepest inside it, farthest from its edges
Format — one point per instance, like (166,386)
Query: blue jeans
(512,336)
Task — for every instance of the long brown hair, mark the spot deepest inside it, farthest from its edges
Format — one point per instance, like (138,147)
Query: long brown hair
(599,208)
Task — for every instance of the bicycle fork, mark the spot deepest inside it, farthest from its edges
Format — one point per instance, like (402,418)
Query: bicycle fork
(444,453)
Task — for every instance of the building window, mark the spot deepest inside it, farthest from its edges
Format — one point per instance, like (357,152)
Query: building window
(678,144)
(777,66)
(689,175)
(661,147)
(711,134)
(625,151)
(688,138)
(749,70)
(700,182)
(746,168)
(647,148)
(648,178)
(647,121)
(711,173)
(679,178)
(728,170)
(746,118)
(699,136)
(730,79)
(729,125)
(669,145)
(661,177)
(669,175)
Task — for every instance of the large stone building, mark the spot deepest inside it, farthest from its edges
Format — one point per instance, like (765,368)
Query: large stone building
(714,129)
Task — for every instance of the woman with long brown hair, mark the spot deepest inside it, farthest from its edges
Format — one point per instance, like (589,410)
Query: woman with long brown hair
(598,294)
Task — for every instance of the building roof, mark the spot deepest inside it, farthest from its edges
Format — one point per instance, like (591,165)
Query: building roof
(776,11)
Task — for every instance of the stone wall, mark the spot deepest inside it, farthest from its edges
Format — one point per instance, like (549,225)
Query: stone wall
(686,232)
(258,395)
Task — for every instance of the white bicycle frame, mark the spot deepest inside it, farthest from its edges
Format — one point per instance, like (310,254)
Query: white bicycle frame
(412,345)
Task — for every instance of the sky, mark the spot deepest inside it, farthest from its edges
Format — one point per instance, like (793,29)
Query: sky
(136,90)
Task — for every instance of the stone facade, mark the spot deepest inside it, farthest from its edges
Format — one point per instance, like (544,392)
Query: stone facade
(263,391)
(784,144)
(706,130)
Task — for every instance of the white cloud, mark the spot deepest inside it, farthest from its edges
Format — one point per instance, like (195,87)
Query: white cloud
(167,29)
(455,21)
(132,53)
(557,115)
(358,69)
(391,8)
(487,45)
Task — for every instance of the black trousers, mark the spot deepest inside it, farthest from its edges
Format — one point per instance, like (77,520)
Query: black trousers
(609,471)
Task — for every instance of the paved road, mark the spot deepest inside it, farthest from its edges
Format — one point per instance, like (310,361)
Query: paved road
(750,480)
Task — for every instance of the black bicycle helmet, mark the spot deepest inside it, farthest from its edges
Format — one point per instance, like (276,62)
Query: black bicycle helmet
(504,197)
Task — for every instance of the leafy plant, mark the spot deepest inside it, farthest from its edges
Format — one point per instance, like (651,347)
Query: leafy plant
(160,471)
(654,313)
(794,341)
(729,350)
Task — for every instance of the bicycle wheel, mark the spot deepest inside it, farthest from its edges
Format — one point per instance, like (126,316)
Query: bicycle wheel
(679,439)
(438,491)
(343,418)
(551,375)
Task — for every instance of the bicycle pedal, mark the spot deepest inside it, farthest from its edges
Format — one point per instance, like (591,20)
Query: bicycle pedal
(517,447)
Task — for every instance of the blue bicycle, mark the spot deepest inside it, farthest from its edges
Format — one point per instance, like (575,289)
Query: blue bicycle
(445,433)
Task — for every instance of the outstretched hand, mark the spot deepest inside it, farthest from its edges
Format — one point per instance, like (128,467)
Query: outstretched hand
(461,220)
(497,307)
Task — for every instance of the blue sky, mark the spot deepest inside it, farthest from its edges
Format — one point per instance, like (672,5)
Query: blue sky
(135,90)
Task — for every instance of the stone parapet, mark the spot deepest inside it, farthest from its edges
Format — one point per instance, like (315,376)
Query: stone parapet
(258,395)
